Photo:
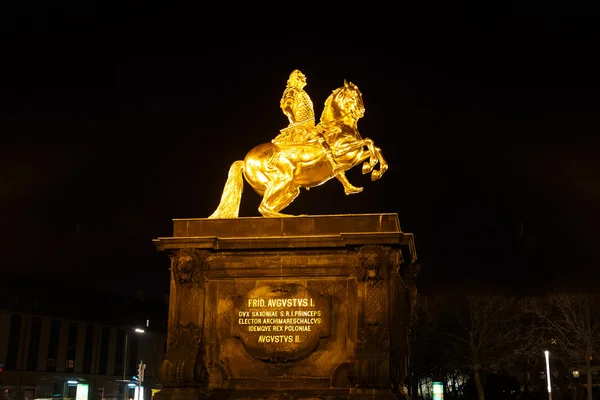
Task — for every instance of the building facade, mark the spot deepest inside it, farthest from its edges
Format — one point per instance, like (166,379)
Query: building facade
(45,357)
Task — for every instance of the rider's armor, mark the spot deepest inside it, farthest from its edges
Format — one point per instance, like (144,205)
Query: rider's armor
(303,105)
(302,118)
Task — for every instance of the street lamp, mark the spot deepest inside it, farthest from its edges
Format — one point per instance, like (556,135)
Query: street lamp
(126,345)
(547,354)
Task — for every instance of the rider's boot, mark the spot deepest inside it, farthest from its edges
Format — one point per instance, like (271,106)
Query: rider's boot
(335,167)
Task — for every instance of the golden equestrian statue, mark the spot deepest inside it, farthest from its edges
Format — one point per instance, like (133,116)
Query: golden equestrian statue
(304,155)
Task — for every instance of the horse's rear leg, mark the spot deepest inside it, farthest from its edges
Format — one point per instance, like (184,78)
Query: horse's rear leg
(277,198)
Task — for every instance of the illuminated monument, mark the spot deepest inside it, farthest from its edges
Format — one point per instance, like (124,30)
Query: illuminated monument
(292,307)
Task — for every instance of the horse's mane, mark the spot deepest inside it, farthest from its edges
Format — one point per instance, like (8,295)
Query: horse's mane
(336,94)
(330,99)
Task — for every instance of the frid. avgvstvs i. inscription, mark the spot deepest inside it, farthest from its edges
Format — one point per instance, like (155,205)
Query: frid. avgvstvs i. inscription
(281,321)
(280,316)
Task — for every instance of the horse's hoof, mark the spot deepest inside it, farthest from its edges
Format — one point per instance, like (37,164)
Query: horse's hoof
(366,168)
(353,190)
(379,173)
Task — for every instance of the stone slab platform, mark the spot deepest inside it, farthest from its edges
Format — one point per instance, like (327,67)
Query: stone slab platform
(322,231)
(292,226)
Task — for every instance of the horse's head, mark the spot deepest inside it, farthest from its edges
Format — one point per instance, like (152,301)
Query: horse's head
(345,102)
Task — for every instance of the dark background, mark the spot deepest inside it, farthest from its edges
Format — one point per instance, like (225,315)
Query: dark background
(113,122)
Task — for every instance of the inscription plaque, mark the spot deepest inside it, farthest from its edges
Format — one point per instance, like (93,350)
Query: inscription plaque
(281,322)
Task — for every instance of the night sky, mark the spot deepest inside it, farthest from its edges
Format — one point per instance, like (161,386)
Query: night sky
(112,125)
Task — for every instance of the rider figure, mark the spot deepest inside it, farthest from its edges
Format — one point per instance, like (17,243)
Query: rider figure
(295,102)
(298,107)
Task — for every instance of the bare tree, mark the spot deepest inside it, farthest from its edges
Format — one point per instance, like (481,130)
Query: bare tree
(485,332)
(572,324)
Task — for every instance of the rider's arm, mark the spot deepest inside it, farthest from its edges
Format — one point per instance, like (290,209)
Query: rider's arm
(288,102)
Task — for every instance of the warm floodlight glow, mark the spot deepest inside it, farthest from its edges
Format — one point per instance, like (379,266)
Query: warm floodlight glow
(304,155)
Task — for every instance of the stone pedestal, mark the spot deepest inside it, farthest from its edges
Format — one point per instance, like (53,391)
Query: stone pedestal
(303,308)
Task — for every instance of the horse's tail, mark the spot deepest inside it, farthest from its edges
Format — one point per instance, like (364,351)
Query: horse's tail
(229,207)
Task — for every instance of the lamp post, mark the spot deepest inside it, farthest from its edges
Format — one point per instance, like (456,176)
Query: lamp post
(547,354)
(141,368)
(125,347)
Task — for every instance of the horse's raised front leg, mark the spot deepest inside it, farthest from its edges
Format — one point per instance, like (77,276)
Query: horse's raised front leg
(358,145)
(373,160)
(383,166)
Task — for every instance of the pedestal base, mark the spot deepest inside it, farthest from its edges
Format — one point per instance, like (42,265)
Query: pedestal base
(218,394)
(180,394)
(312,307)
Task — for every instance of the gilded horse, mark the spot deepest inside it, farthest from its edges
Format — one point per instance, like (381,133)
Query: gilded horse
(277,172)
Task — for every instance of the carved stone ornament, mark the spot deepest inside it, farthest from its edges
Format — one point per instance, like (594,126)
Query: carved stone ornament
(183,366)
(370,263)
(372,364)
(187,267)
(185,337)
(410,278)
(395,260)
(373,338)
(412,271)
